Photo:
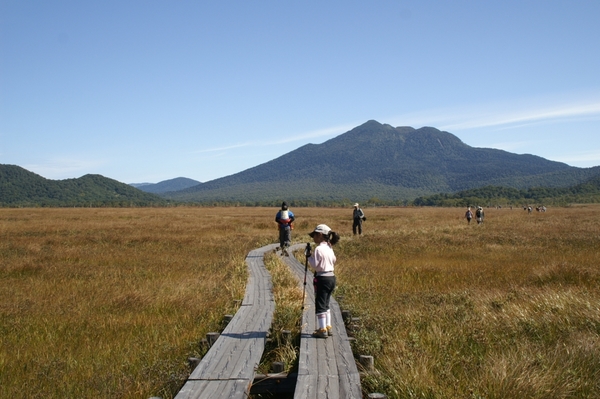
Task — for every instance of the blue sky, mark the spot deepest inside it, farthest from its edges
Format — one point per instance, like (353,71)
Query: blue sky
(145,91)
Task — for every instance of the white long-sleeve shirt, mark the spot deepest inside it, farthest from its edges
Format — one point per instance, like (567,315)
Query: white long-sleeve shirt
(323,259)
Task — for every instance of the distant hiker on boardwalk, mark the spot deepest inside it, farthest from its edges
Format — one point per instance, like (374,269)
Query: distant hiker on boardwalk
(358,217)
(479,215)
(469,215)
(323,261)
(284,219)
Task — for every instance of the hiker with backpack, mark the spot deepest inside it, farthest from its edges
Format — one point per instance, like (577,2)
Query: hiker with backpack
(469,215)
(479,215)
(358,216)
(284,219)
(322,261)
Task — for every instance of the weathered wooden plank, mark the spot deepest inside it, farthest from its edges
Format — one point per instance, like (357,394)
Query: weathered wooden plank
(251,291)
(259,279)
(345,357)
(312,386)
(306,387)
(250,343)
(326,358)
(350,385)
(238,343)
(223,389)
(227,370)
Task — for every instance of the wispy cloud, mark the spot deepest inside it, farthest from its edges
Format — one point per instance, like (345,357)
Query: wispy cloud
(230,147)
(527,117)
(503,115)
(319,133)
(499,116)
(282,139)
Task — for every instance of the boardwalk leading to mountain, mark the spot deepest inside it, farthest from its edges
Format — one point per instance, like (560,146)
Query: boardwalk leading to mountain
(228,368)
(326,367)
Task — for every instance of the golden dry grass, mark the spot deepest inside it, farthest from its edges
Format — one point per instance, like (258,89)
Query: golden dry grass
(110,302)
(507,309)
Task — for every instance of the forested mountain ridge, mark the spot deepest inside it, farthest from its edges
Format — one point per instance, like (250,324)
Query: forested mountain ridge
(373,161)
(378,160)
(586,192)
(177,184)
(22,188)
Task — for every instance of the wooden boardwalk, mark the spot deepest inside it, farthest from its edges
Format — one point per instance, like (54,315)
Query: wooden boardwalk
(228,368)
(326,368)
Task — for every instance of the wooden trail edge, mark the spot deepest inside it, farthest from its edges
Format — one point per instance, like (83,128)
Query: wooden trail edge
(326,367)
(228,368)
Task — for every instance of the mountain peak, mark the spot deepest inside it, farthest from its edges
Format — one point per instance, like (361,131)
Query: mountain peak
(375,159)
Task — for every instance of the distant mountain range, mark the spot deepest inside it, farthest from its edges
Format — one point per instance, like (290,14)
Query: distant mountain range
(177,184)
(373,162)
(376,160)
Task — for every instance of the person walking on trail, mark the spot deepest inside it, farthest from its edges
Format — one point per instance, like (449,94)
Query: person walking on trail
(358,217)
(284,219)
(469,215)
(479,215)
(322,261)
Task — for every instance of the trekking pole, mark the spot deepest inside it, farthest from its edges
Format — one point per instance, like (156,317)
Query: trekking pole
(306,254)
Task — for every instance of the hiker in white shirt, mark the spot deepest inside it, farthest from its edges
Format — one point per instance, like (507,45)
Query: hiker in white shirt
(322,261)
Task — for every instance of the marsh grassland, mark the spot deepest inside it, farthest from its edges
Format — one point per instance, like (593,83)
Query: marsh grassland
(506,309)
(111,302)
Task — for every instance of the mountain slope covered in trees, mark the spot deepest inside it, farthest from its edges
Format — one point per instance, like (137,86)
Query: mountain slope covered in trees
(373,162)
(587,192)
(391,164)
(20,187)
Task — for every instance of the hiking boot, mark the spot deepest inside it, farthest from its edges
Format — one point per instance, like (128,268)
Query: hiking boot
(321,333)
(329,333)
